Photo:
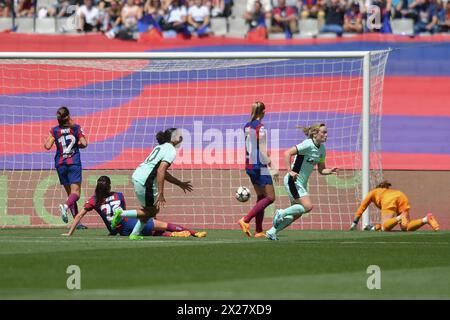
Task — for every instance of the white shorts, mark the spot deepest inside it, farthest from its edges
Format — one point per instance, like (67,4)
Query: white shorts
(295,189)
(146,195)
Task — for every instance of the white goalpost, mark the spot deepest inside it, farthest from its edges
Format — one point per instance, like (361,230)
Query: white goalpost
(121,100)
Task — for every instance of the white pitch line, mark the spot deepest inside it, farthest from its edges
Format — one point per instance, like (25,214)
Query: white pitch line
(207,241)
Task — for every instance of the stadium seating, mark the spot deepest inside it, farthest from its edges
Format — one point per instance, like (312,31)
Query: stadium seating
(219,26)
(308,27)
(238,28)
(403,26)
(47,25)
(25,25)
(5,24)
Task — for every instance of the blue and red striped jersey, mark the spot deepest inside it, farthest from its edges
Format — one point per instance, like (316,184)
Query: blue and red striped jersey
(66,140)
(106,208)
(254,133)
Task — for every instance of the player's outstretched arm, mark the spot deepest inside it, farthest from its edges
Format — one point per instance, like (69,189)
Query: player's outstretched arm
(321,167)
(82,143)
(75,222)
(365,203)
(48,144)
(288,154)
(184,185)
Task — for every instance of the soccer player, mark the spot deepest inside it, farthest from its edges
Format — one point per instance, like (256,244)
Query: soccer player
(148,180)
(257,164)
(69,138)
(105,201)
(394,206)
(307,154)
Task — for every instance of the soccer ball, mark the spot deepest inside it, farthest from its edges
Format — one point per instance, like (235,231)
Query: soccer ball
(242,194)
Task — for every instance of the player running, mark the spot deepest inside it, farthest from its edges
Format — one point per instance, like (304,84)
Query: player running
(394,206)
(257,164)
(307,154)
(148,180)
(69,138)
(105,202)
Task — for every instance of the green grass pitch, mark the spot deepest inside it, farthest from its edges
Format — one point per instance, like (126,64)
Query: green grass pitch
(225,265)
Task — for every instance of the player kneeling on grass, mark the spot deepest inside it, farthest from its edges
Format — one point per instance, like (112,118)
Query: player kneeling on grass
(105,201)
(394,206)
(307,154)
(148,180)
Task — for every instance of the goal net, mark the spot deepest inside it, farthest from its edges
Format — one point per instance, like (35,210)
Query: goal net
(122,103)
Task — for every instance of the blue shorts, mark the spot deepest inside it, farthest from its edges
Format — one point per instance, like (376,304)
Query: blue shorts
(129,223)
(260,179)
(69,174)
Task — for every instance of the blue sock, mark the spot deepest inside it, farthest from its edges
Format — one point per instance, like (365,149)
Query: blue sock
(138,228)
(294,210)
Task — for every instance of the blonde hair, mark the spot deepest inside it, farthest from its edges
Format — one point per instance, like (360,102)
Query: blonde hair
(257,108)
(312,130)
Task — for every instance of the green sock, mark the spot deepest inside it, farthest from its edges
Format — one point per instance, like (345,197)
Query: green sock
(138,228)
(294,210)
(287,220)
(129,214)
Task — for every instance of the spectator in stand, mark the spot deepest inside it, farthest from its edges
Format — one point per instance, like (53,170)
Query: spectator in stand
(175,19)
(42,12)
(25,8)
(312,9)
(284,19)
(251,8)
(427,16)
(5,8)
(353,19)
(385,12)
(258,17)
(444,23)
(129,16)
(296,4)
(102,15)
(113,15)
(198,19)
(60,8)
(89,17)
(400,9)
(334,17)
(219,8)
(153,14)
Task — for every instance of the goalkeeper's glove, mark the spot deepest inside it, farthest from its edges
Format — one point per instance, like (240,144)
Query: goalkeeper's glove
(353,225)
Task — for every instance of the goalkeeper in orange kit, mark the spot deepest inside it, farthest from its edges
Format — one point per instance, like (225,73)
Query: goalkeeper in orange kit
(394,206)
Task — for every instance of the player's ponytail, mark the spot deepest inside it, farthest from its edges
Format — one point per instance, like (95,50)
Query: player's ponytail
(165,136)
(311,131)
(63,116)
(384,184)
(102,190)
(257,109)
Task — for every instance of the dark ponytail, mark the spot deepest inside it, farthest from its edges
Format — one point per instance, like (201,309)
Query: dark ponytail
(165,136)
(102,190)
(384,184)
(63,116)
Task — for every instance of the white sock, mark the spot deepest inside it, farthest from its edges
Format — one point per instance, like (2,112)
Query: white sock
(425,220)
(129,214)
(138,228)
(287,220)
